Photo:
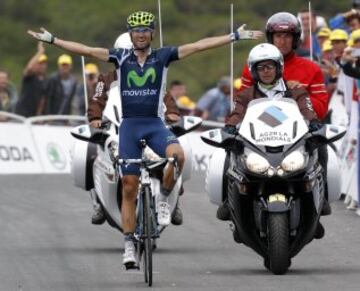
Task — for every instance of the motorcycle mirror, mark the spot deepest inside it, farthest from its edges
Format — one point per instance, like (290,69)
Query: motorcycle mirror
(191,122)
(217,138)
(185,125)
(325,135)
(81,132)
(86,133)
(334,132)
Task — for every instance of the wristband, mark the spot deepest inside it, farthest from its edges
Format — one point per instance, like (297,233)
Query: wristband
(235,36)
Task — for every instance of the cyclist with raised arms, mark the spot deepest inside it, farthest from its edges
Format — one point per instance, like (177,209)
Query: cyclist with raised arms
(142,77)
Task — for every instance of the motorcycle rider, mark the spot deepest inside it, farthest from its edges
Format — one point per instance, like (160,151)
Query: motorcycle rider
(94,114)
(142,77)
(283,30)
(266,65)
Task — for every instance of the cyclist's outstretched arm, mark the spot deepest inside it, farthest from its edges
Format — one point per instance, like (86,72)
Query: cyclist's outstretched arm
(101,54)
(217,41)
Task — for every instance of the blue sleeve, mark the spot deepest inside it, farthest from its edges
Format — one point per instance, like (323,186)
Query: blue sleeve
(169,54)
(115,56)
(338,22)
(206,101)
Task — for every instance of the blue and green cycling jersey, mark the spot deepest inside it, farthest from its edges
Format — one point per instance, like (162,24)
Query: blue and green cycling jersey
(142,87)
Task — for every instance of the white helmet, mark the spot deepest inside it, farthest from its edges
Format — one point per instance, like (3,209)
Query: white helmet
(123,41)
(263,52)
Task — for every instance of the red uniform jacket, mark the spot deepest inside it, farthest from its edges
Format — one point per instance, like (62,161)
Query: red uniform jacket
(307,73)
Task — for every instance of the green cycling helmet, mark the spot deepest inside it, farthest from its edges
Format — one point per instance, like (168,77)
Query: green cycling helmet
(141,19)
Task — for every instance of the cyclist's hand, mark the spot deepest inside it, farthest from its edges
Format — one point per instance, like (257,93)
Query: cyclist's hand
(44,35)
(248,34)
(96,123)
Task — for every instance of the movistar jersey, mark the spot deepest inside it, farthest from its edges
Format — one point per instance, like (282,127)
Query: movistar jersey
(142,88)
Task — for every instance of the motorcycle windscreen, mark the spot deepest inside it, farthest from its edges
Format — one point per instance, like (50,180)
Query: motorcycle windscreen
(273,122)
(113,110)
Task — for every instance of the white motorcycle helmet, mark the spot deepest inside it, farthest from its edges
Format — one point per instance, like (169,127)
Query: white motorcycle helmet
(123,41)
(265,52)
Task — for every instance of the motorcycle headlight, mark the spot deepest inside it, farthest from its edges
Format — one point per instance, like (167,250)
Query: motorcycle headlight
(256,163)
(294,161)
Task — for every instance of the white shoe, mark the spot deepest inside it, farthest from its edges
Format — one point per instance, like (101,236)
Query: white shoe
(129,258)
(163,213)
(352,206)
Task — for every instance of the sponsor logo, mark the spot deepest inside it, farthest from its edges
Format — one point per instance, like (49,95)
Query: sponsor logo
(15,154)
(170,138)
(145,92)
(273,116)
(135,79)
(273,136)
(56,156)
(201,162)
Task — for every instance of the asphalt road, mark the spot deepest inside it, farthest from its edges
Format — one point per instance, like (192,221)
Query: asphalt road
(47,243)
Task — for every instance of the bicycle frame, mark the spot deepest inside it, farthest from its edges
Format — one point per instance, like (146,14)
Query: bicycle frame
(146,228)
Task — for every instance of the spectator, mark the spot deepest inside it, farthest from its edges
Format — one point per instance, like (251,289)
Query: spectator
(177,89)
(215,103)
(304,48)
(338,38)
(350,61)
(185,105)
(92,74)
(61,88)
(323,35)
(329,67)
(348,21)
(8,94)
(33,84)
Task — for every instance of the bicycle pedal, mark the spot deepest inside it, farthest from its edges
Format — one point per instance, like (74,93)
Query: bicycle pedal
(131,266)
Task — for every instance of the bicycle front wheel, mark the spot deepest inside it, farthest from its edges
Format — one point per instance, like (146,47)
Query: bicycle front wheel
(147,223)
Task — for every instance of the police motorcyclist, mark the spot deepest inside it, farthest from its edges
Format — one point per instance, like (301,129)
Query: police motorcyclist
(266,66)
(284,30)
(142,77)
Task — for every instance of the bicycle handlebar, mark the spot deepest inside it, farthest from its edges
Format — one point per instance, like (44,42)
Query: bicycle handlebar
(145,161)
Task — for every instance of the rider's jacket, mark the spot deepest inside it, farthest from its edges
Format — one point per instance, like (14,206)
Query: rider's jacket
(307,73)
(98,102)
(243,98)
(142,86)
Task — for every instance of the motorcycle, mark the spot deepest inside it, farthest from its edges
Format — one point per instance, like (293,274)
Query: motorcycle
(273,180)
(94,167)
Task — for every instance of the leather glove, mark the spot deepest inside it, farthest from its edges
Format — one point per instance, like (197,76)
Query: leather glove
(230,129)
(315,125)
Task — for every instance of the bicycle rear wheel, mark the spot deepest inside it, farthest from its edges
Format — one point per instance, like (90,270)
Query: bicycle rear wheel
(147,223)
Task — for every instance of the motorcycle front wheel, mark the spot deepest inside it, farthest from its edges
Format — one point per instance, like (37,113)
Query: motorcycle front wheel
(278,243)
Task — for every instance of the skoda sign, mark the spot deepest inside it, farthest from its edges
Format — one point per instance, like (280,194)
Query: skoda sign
(56,156)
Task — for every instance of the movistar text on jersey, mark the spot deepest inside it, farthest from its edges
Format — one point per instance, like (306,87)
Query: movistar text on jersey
(145,92)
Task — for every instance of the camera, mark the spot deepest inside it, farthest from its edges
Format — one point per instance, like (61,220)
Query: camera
(356,52)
